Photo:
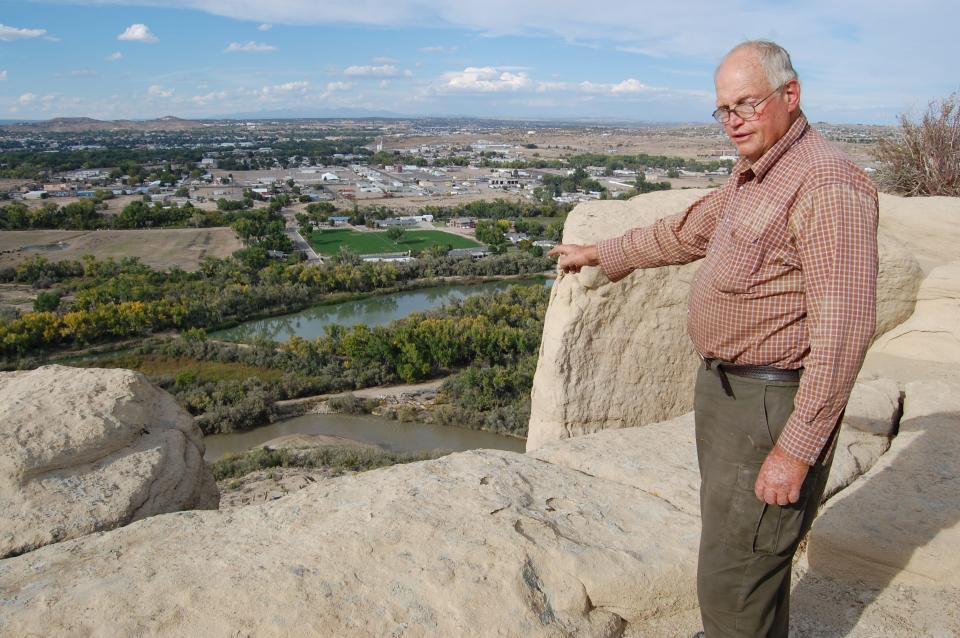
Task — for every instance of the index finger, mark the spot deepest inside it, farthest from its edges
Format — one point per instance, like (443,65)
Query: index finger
(555,250)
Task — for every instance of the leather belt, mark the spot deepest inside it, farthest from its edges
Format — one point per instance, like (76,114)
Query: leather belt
(764,373)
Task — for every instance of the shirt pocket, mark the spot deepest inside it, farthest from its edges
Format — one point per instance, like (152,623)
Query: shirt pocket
(738,260)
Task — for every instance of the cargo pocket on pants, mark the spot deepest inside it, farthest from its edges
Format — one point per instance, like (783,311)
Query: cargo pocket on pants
(757,527)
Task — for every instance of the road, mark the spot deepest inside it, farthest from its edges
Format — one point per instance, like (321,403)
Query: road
(299,243)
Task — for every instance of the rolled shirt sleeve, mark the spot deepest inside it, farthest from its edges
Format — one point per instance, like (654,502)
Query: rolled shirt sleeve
(836,233)
(678,239)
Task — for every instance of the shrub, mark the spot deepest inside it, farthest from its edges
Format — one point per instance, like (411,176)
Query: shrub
(350,404)
(338,459)
(924,159)
(46,302)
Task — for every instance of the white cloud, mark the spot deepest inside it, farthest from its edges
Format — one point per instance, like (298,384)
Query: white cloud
(266,26)
(27,98)
(249,47)
(630,85)
(157,91)
(3,75)
(339,86)
(485,80)
(138,32)
(291,86)
(382,71)
(202,100)
(114,57)
(8,34)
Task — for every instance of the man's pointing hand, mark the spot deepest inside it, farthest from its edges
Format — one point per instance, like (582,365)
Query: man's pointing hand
(573,257)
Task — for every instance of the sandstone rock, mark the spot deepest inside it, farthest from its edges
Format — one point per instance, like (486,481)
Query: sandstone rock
(932,333)
(659,459)
(855,454)
(929,227)
(874,407)
(262,486)
(476,543)
(617,355)
(901,523)
(614,355)
(86,450)
(898,279)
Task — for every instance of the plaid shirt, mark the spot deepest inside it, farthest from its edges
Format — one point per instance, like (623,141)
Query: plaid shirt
(789,273)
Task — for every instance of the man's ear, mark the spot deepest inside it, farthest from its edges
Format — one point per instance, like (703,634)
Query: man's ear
(791,91)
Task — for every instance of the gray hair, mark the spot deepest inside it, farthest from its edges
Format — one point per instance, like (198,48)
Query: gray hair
(772,57)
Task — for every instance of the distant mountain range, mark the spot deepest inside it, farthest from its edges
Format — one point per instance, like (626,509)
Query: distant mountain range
(171,123)
(75,124)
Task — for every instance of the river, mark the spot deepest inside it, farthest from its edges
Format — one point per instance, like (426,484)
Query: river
(377,310)
(373,311)
(396,436)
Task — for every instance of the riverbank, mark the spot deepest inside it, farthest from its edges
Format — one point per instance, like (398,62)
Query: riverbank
(42,356)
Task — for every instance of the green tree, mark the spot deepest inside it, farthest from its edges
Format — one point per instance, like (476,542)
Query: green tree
(46,302)
(395,233)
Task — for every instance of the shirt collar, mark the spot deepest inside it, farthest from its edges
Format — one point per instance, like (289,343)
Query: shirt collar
(775,152)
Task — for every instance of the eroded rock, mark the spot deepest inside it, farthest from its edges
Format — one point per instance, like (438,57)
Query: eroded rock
(483,542)
(901,523)
(85,450)
(617,355)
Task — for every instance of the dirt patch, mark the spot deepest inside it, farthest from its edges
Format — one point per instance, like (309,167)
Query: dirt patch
(17,296)
(160,249)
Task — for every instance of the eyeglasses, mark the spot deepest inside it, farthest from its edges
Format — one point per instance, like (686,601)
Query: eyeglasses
(744,110)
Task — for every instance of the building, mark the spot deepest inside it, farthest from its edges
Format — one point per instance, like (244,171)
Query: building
(463,222)
(476,253)
(339,220)
(389,257)
(504,182)
(397,221)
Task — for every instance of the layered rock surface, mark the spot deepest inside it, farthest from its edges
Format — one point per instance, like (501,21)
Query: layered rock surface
(618,354)
(901,523)
(591,536)
(85,450)
(476,543)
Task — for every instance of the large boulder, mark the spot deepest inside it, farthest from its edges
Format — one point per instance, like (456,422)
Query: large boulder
(617,355)
(87,449)
(901,522)
(932,333)
(477,543)
(869,422)
(928,226)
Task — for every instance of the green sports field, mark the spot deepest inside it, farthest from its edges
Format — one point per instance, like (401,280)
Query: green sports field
(328,242)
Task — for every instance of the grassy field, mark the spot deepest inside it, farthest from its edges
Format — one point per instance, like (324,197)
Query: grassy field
(328,242)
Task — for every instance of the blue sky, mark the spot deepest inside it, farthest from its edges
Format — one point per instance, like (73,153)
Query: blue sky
(858,61)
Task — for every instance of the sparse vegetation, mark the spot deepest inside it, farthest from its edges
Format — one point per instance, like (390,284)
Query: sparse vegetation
(338,459)
(924,159)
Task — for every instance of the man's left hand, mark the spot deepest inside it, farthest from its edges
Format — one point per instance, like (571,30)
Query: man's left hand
(780,478)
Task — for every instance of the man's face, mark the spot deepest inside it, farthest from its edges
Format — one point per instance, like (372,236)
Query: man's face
(741,79)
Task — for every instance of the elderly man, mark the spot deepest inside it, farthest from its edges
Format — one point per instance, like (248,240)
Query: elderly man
(781,311)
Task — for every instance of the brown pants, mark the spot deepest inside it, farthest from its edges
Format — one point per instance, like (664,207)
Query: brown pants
(746,546)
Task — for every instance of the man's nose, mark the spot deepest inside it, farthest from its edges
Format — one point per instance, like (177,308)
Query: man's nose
(734,120)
